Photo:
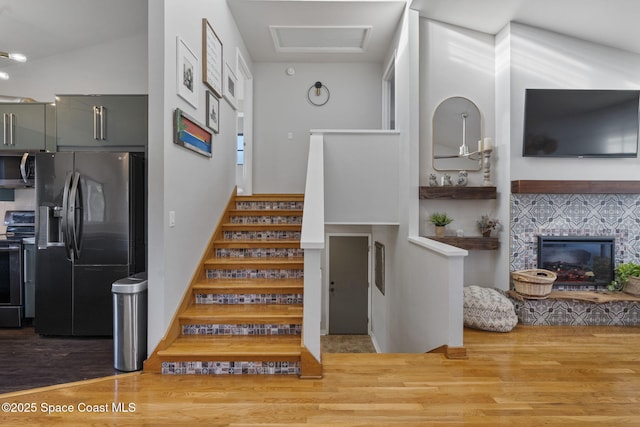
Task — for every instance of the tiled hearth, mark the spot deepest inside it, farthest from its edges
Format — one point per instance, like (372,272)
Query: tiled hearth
(543,312)
(611,215)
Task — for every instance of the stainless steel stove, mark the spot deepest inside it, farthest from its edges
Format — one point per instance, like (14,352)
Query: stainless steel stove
(20,225)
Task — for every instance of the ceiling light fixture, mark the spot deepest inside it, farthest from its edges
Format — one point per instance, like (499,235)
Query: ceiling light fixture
(18,57)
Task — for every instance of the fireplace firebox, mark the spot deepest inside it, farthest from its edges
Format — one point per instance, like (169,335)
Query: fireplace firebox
(581,263)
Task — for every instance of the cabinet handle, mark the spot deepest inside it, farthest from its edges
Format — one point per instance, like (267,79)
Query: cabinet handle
(95,122)
(103,119)
(99,119)
(4,128)
(12,126)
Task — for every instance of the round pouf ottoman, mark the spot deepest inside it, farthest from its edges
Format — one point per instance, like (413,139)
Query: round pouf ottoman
(488,309)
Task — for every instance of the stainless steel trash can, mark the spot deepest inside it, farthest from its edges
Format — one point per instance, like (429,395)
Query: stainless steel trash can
(130,322)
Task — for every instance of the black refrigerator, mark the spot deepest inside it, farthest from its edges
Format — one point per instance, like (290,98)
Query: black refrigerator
(90,232)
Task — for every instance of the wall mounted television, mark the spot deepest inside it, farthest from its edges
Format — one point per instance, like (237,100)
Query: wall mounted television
(581,123)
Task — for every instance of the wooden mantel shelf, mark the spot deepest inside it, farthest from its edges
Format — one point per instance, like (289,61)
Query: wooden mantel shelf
(574,187)
(469,243)
(458,193)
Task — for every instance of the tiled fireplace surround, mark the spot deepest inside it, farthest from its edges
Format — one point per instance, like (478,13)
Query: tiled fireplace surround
(611,215)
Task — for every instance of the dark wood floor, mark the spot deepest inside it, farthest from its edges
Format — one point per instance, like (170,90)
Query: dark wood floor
(28,360)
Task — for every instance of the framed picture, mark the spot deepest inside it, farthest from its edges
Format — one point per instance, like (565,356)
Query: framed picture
(187,74)
(379,267)
(190,134)
(212,62)
(230,86)
(213,113)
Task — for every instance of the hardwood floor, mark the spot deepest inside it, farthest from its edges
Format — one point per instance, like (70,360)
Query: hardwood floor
(530,376)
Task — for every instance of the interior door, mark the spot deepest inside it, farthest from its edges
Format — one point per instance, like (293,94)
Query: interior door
(348,284)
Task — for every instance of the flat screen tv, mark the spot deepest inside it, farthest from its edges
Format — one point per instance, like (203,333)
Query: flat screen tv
(581,123)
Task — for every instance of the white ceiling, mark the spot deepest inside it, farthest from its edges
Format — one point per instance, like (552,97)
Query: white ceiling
(609,22)
(254,17)
(40,28)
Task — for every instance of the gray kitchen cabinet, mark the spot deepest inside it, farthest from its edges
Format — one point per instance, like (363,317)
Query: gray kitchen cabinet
(101,121)
(23,126)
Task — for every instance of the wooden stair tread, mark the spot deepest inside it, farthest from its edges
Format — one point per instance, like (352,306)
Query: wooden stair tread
(261,262)
(197,347)
(265,212)
(271,197)
(290,314)
(262,243)
(258,286)
(261,227)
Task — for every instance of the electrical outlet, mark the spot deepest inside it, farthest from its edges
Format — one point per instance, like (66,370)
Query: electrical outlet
(172,218)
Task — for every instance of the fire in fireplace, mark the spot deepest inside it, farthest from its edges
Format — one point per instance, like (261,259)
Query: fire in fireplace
(581,263)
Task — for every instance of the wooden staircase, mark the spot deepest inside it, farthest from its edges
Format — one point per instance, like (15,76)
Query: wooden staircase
(244,309)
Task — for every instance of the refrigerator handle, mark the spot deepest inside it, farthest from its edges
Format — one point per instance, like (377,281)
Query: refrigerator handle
(76,205)
(66,236)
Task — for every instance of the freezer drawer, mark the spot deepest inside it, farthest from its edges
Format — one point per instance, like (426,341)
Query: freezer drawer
(92,299)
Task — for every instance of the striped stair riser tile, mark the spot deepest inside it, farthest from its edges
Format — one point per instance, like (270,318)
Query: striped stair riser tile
(262,235)
(260,253)
(249,299)
(242,330)
(255,274)
(255,206)
(266,219)
(231,368)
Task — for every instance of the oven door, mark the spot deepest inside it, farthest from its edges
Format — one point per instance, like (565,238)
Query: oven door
(11,294)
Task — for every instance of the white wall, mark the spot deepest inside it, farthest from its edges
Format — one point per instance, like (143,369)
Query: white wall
(281,108)
(361,177)
(456,61)
(195,187)
(414,314)
(117,67)
(542,59)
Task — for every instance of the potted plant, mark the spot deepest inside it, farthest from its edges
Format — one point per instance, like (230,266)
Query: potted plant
(487,224)
(440,220)
(627,278)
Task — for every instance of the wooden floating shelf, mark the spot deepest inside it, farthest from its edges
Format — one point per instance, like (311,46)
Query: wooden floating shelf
(574,187)
(469,243)
(458,193)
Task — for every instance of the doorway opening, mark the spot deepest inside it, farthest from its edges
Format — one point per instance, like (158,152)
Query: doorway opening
(244,117)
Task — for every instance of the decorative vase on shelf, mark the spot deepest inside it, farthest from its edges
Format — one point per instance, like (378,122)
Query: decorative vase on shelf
(486,233)
(440,230)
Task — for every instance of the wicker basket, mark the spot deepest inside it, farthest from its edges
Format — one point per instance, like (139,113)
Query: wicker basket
(633,286)
(533,283)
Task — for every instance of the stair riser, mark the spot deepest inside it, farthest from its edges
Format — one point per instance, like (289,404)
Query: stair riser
(242,330)
(231,368)
(266,219)
(260,253)
(270,205)
(262,235)
(249,299)
(254,274)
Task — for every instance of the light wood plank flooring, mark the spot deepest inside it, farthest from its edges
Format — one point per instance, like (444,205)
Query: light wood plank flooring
(530,377)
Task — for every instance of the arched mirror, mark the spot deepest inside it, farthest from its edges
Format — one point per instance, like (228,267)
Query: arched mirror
(456,132)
